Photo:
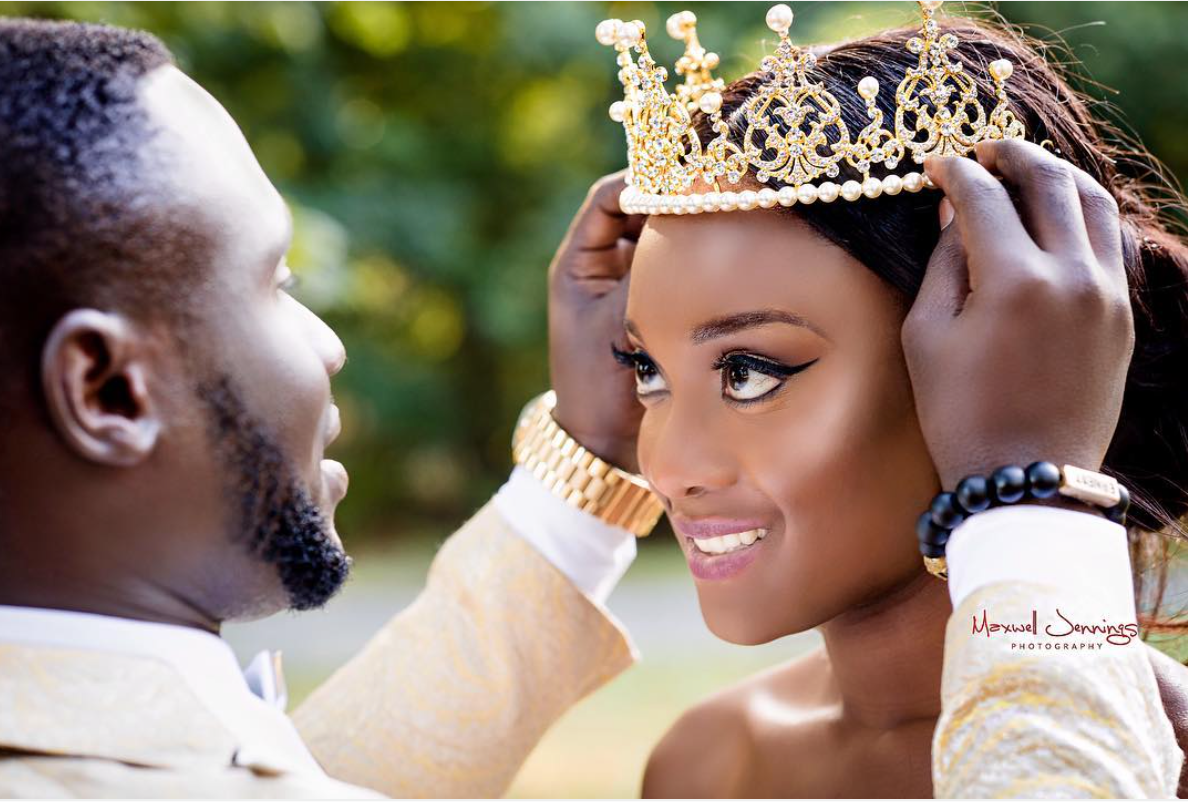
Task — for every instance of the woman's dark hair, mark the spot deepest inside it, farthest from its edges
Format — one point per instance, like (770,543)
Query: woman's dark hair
(895,236)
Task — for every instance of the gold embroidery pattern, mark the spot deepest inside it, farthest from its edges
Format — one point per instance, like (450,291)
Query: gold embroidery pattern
(454,693)
(1047,723)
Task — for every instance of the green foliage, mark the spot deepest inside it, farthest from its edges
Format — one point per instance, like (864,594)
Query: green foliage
(433,154)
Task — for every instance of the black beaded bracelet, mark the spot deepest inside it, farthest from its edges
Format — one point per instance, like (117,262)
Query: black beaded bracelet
(1011,484)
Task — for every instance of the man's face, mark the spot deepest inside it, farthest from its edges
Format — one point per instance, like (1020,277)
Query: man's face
(247,411)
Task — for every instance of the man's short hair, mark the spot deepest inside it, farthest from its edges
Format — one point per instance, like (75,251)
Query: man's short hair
(79,225)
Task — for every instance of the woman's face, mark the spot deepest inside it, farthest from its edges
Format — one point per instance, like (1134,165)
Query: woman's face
(779,414)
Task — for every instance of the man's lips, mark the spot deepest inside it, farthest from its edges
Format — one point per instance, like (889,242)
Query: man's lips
(336,479)
(333,426)
(333,472)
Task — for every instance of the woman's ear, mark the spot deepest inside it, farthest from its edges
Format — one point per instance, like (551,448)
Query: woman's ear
(96,375)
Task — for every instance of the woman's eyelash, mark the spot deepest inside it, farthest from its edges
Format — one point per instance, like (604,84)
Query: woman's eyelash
(734,368)
(759,364)
(629,359)
(633,359)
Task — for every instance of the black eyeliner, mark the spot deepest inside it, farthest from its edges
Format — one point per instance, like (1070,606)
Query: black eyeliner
(628,359)
(776,370)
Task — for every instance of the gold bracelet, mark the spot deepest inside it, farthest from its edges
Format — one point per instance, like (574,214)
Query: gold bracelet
(577,476)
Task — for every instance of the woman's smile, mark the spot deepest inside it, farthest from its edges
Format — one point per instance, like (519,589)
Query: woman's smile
(728,543)
(719,548)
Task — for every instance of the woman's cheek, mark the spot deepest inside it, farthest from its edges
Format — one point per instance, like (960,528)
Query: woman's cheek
(820,463)
(645,445)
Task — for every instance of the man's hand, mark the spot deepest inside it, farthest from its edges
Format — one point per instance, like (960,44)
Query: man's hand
(1020,339)
(588,278)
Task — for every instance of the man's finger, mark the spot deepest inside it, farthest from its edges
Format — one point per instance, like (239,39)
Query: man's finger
(945,286)
(1048,198)
(590,247)
(633,226)
(626,252)
(601,222)
(1102,224)
(985,215)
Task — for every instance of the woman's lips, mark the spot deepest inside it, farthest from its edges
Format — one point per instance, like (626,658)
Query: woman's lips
(727,543)
(720,548)
(714,527)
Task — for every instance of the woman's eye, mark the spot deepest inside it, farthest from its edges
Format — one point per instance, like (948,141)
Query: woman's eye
(746,377)
(647,377)
(289,284)
(742,383)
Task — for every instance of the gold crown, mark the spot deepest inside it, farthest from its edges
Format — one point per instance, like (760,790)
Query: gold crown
(789,122)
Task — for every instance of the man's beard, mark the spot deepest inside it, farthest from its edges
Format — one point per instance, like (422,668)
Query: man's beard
(275,517)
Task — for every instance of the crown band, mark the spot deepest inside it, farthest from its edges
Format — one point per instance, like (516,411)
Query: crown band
(634,202)
(794,130)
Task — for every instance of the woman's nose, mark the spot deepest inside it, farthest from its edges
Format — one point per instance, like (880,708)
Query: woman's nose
(682,456)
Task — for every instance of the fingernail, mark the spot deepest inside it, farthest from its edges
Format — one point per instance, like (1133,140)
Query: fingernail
(945,212)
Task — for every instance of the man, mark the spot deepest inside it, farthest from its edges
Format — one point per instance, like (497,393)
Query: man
(165,409)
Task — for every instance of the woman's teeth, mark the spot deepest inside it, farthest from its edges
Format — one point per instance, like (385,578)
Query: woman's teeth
(726,543)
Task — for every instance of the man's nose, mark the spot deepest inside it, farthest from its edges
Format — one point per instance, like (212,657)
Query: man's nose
(326,342)
(335,354)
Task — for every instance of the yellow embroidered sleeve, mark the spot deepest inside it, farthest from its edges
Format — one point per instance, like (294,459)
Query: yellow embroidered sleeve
(455,691)
(1050,711)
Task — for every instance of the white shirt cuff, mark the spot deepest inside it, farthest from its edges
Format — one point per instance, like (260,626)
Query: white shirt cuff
(593,554)
(1078,553)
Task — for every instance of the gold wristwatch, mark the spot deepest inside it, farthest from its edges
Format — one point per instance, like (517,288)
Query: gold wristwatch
(581,479)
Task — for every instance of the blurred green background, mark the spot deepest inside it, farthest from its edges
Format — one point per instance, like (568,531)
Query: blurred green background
(433,154)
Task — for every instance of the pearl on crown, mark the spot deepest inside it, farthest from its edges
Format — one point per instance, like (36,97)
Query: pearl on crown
(779,18)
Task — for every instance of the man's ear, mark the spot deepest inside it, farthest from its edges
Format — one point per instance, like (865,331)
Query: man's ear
(96,373)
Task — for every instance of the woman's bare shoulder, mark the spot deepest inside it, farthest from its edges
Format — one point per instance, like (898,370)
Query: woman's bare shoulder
(704,753)
(712,748)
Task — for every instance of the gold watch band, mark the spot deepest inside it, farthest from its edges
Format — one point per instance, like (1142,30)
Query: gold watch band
(577,476)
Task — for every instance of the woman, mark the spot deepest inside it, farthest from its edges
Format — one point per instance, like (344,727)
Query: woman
(780,357)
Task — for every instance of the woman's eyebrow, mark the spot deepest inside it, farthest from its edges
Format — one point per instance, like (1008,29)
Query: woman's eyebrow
(729,324)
